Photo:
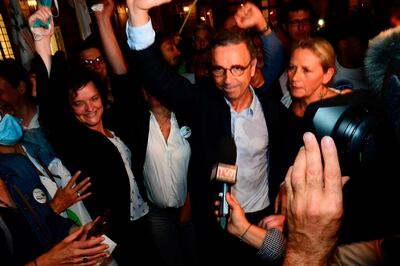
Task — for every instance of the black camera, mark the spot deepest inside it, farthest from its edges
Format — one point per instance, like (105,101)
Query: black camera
(356,123)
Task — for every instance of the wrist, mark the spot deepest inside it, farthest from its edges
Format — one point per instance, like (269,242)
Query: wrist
(264,28)
(138,17)
(244,232)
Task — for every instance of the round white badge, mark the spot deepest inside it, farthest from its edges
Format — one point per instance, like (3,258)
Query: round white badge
(39,195)
(186,132)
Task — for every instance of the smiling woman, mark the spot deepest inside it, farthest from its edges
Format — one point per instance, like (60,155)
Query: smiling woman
(87,100)
(73,109)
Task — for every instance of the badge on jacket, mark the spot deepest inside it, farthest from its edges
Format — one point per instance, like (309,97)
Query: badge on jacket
(39,195)
(186,132)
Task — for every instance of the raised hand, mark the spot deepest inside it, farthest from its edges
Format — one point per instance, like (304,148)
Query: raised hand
(70,194)
(138,10)
(108,10)
(314,202)
(249,16)
(43,14)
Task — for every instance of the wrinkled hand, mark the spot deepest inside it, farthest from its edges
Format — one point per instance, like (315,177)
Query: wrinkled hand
(43,14)
(70,194)
(314,199)
(72,251)
(248,16)
(273,221)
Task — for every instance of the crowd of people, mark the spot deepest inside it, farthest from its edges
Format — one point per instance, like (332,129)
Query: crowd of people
(141,131)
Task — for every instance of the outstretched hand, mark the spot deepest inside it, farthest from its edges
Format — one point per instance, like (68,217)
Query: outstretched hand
(249,16)
(139,10)
(70,194)
(314,200)
(72,251)
(108,10)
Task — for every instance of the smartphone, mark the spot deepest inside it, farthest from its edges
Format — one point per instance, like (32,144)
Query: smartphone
(100,226)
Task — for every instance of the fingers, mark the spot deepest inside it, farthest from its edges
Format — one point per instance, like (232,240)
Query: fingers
(73,179)
(73,236)
(277,203)
(297,179)
(345,179)
(288,183)
(314,180)
(81,188)
(272,221)
(332,174)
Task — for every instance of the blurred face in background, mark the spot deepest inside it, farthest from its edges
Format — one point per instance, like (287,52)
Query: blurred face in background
(93,59)
(299,25)
(201,40)
(170,52)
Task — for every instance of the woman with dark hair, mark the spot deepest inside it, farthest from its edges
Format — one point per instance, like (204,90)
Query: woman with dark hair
(74,115)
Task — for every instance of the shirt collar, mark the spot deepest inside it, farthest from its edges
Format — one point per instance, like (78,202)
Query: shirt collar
(249,111)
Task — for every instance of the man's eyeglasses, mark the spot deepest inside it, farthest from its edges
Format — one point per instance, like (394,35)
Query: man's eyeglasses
(235,70)
(89,62)
(298,22)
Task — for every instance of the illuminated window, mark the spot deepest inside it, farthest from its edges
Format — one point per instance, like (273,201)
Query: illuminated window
(5,47)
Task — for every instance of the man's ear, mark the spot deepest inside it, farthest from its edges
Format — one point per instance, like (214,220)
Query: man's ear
(253,66)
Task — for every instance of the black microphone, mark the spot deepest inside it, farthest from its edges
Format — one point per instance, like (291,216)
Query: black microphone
(224,172)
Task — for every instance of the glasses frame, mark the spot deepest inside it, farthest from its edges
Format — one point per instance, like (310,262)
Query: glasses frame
(91,62)
(239,67)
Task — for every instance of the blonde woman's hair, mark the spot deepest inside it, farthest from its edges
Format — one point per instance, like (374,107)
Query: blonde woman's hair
(321,48)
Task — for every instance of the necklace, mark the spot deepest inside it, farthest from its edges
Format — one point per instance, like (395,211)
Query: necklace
(323,94)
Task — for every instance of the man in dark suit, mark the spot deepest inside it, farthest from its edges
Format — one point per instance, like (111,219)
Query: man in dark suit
(228,108)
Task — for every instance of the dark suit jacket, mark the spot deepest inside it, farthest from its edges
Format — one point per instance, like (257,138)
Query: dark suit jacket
(208,116)
(81,148)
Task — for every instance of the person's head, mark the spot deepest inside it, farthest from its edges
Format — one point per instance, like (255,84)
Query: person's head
(92,58)
(233,62)
(311,68)
(168,47)
(15,83)
(87,98)
(351,41)
(202,35)
(11,131)
(298,19)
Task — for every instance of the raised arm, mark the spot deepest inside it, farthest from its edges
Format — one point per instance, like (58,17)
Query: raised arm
(42,35)
(108,39)
(249,16)
(139,10)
